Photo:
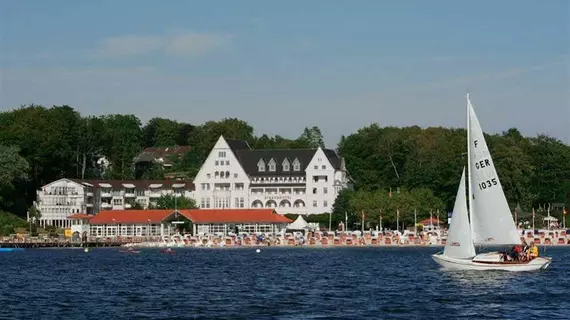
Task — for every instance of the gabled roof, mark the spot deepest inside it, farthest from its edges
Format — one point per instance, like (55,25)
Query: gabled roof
(235,216)
(237,145)
(333,158)
(250,158)
(161,154)
(81,216)
(130,216)
(196,216)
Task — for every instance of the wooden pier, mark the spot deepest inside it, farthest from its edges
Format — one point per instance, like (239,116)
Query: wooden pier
(61,244)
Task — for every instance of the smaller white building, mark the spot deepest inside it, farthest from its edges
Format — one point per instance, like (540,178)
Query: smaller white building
(62,198)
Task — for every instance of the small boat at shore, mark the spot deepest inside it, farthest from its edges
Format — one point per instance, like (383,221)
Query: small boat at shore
(488,220)
(168,251)
(11,249)
(130,250)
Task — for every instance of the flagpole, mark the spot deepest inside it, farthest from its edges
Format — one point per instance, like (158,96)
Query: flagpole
(330,220)
(362,222)
(533,216)
(345,221)
(548,222)
(516,218)
(398,219)
(438,219)
(415,223)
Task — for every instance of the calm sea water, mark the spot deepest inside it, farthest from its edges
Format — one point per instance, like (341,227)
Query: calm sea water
(277,283)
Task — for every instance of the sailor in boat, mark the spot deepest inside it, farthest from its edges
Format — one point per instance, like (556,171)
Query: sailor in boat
(532,251)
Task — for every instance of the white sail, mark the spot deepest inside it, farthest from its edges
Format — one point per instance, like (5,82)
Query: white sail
(492,221)
(459,242)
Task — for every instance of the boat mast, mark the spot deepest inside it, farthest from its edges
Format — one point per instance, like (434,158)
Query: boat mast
(470,192)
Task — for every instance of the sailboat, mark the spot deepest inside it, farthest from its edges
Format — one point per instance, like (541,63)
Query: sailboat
(488,221)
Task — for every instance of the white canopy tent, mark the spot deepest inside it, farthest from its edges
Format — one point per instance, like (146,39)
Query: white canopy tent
(299,224)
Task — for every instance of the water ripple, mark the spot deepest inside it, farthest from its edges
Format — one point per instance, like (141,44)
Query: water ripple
(278,283)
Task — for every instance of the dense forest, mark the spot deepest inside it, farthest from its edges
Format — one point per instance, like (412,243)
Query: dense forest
(422,167)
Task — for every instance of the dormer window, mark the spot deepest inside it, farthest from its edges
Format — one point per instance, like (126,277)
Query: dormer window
(261,165)
(286,165)
(272,165)
(296,165)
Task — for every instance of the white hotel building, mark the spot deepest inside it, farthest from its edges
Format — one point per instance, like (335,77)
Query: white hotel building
(62,198)
(301,181)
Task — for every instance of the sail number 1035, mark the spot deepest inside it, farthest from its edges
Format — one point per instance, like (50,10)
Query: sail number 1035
(488,184)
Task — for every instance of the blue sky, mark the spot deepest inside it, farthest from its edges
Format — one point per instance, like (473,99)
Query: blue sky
(284,65)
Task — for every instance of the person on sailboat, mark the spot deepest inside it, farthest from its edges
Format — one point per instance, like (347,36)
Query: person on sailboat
(532,251)
(516,252)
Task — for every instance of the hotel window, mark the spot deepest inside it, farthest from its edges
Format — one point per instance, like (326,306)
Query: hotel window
(325,203)
(235,175)
(208,175)
(216,162)
(315,203)
(227,162)
(314,190)
(272,165)
(261,165)
(207,202)
(324,167)
(325,190)
(221,154)
(296,165)
(241,202)
(316,167)
(117,202)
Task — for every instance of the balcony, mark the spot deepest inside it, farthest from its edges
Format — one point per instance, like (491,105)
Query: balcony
(106,205)
(106,195)
(154,194)
(130,194)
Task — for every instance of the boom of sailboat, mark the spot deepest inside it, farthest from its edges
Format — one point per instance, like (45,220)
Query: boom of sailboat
(488,221)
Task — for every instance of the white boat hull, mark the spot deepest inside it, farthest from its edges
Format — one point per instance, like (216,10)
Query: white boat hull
(490,261)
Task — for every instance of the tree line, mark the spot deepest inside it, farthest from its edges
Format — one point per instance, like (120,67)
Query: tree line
(421,166)
(39,145)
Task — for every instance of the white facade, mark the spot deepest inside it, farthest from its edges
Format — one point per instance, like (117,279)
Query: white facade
(221,181)
(291,181)
(60,199)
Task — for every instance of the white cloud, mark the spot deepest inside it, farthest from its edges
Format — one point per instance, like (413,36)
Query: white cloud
(182,44)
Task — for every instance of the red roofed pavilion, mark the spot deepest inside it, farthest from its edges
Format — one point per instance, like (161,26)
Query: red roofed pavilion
(128,223)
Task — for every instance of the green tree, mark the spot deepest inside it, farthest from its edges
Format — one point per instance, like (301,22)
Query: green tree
(90,133)
(13,171)
(205,136)
(312,138)
(123,141)
(9,222)
(171,202)
(160,132)
(34,215)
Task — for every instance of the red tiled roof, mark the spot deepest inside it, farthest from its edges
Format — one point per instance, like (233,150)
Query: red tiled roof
(130,216)
(235,216)
(196,216)
(433,221)
(81,216)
